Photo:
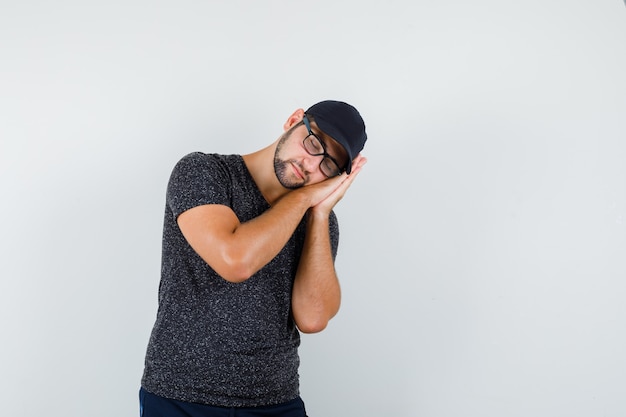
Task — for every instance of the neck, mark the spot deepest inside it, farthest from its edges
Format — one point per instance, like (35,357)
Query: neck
(260,164)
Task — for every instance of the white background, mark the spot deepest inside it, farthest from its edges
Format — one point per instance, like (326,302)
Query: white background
(482,251)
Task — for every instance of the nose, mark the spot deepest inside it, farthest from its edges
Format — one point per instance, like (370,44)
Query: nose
(311,163)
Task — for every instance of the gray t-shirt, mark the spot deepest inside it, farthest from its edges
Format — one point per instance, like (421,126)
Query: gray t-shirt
(216,342)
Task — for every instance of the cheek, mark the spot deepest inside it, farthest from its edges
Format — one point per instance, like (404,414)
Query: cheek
(289,148)
(316,177)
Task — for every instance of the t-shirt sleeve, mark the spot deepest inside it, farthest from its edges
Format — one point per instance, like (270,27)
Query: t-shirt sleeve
(333,225)
(196,180)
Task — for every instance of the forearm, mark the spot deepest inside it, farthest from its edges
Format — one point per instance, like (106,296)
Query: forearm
(316,293)
(255,243)
(236,250)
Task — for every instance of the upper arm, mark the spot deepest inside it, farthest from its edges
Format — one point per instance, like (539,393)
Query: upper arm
(209,229)
(198,195)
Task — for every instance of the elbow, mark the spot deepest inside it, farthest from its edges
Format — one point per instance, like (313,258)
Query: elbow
(313,318)
(236,273)
(234,276)
(311,326)
(236,268)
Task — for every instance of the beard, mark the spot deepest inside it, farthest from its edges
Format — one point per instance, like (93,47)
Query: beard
(282,168)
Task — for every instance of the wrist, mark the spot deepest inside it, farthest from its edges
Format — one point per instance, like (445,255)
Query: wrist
(318,214)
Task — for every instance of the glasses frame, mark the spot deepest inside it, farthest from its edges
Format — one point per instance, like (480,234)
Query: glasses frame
(326,155)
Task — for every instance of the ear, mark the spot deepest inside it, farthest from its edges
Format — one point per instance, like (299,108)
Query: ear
(294,119)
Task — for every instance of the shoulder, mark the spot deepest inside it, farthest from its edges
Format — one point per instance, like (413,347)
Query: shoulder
(200,178)
(205,164)
(201,159)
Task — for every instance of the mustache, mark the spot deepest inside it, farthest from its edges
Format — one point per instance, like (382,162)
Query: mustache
(303,171)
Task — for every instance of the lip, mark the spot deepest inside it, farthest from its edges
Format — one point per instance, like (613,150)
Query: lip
(297,171)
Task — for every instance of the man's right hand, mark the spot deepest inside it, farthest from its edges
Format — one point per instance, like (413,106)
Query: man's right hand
(326,194)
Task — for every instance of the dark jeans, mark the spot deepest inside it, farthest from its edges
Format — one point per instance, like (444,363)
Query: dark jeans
(151,405)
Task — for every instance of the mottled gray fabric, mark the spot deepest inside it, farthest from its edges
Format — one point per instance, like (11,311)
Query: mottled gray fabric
(216,342)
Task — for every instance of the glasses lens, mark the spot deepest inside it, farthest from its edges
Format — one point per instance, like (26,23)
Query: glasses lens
(313,145)
(329,167)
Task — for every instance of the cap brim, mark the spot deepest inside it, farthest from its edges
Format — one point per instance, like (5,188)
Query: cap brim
(338,137)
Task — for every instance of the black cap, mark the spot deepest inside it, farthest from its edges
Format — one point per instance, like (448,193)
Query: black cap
(343,123)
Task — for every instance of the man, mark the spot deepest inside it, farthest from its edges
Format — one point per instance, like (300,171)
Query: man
(249,244)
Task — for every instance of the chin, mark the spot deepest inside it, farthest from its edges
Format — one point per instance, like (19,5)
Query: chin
(292,185)
(282,171)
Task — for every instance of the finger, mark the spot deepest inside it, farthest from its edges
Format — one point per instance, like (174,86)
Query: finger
(349,179)
(358,163)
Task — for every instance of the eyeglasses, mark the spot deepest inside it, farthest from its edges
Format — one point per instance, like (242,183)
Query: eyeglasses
(315,147)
